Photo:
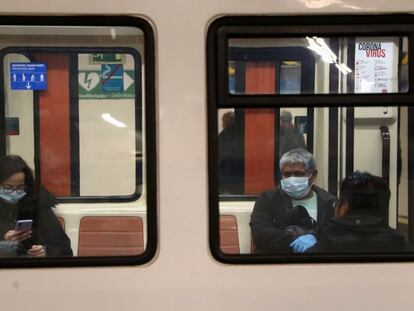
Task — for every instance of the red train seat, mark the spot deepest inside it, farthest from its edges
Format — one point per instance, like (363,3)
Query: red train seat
(62,222)
(229,238)
(110,236)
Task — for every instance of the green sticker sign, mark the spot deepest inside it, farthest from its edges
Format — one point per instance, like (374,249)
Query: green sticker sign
(90,86)
(106,58)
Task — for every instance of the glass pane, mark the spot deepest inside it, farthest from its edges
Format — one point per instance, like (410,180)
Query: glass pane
(75,138)
(72,139)
(315,65)
(290,77)
(107,118)
(350,195)
(248,140)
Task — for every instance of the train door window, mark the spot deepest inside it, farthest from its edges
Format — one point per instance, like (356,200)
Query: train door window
(309,126)
(62,140)
(77,105)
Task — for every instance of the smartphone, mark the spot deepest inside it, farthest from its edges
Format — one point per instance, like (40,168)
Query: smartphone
(24,225)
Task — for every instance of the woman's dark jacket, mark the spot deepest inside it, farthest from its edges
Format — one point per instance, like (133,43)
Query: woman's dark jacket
(272,218)
(46,229)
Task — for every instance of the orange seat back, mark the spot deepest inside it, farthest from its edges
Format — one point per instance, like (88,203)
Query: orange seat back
(61,221)
(229,238)
(110,236)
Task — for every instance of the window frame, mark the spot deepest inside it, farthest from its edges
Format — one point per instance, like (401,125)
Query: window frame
(74,52)
(150,141)
(218,97)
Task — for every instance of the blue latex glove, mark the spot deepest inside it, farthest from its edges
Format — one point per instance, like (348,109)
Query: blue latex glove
(303,243)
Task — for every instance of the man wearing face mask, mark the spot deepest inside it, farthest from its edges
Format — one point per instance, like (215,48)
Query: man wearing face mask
(286,219)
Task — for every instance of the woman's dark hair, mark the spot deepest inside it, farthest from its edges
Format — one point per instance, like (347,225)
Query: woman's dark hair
(12,164)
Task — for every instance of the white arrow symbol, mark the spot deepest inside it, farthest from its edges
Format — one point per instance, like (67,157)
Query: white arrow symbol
(127,81)
(28,86)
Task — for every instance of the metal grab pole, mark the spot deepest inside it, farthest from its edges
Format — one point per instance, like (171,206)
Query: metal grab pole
(385,135)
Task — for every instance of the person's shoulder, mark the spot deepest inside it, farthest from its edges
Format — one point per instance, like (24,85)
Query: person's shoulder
(46,198)
(270,195)
(323,194)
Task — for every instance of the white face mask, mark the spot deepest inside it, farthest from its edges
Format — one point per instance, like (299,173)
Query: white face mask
(13,197)
(296,187)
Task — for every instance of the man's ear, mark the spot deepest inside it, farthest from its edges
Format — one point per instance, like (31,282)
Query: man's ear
(342,209)
(312,178)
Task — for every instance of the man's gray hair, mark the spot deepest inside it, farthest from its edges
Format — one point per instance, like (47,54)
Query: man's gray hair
(299,156)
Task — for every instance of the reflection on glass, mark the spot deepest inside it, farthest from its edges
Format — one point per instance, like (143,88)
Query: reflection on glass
(309,65)
(319,46)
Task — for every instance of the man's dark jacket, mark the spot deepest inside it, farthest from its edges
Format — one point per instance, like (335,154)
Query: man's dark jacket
(355,234)
(269,219)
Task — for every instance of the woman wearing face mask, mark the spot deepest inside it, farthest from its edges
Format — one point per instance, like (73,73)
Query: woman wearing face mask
(278,215)
(22,198)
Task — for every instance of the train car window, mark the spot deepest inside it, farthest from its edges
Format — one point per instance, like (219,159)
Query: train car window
(71,129)
(309,131)
(275,66)
(77,145)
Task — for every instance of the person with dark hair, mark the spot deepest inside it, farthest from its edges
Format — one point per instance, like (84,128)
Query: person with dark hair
(230,155)
(22,198)
(360,222)
(290,138)
(286,219)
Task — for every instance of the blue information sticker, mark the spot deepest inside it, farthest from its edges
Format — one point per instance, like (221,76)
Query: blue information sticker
(28,76)
(112,77)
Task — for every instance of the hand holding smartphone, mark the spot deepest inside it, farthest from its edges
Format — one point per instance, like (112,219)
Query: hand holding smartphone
(24,225)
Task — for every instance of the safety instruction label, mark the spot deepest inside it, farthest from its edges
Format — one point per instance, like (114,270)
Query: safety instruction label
(112,77)
(28,76)
(91,85)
